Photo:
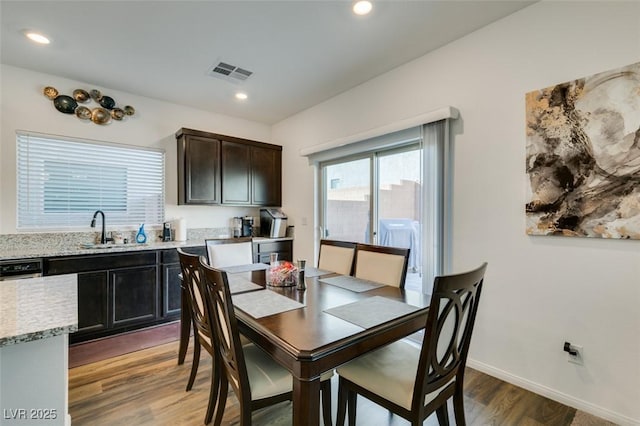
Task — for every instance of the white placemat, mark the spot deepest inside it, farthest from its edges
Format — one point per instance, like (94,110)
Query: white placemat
(310,271)
(239,284)
(263,303)
(371,311)
(351,283)
(235,269)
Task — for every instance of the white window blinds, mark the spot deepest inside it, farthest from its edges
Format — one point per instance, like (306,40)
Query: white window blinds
(62,181)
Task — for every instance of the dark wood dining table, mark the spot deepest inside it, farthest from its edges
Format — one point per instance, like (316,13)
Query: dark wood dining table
(308,341)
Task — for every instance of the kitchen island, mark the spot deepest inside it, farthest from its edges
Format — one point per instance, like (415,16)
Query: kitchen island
(36,317)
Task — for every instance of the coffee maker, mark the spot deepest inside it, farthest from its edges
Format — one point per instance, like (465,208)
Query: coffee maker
(247,226)
(237,227)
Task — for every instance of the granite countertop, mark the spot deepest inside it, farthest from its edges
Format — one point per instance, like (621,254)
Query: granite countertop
(38,308)
(79,249)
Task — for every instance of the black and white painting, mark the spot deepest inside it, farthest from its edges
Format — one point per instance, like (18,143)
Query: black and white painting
(583,157)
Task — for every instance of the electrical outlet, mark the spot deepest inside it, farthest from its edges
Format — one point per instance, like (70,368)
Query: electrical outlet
(578,358)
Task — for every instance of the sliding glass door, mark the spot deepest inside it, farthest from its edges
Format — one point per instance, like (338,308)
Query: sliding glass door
(376,199)
(347,200)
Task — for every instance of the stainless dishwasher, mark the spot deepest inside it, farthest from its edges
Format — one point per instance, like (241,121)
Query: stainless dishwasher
(14,269)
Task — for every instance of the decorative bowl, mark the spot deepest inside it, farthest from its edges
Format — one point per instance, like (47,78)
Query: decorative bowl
(107,102)
(81,95)
(83,113)
(100,116)
(65,104)
(50,92)
(95,95)
(282,274)
(117,114)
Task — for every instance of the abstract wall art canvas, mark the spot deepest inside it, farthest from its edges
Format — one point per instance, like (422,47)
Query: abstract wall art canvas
(583,157)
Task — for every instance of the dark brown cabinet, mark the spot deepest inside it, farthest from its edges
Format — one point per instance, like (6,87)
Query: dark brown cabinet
(170,266)
(231,171)
(134,295)
(93,312)
(262,250)
(116,292)
(266,176)
(236,173)
(198,169)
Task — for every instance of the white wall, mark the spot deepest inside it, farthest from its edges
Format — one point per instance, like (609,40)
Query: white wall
(24,107)
(539,291)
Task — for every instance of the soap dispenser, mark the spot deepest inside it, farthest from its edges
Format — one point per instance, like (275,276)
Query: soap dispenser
(141,236)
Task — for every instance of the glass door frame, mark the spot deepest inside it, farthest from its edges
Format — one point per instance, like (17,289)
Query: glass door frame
(374,190)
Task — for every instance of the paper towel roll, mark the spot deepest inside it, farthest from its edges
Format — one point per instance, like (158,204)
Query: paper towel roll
(180,229)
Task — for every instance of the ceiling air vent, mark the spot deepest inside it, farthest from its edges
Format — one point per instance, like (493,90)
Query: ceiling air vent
(230,72)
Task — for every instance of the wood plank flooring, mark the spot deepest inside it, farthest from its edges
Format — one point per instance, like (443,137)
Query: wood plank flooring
(147,387)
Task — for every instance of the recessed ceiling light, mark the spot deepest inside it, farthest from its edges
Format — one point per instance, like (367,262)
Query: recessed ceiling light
(362,7)
(38,38)
(242,96)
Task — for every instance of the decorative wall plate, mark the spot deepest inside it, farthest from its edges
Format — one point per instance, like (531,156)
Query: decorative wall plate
(50,92)
(100,116)
(117,114)
(81,95)
(95,95)
(83,113)
(65,104)
(107,102)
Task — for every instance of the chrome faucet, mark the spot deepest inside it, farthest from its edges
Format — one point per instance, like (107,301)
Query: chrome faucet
(103,236)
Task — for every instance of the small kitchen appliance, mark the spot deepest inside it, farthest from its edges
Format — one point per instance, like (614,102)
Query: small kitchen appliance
(166,231)
(273,223)
(247,226)
(237,227)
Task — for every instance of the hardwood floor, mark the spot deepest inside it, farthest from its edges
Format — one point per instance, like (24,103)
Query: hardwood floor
(147,387)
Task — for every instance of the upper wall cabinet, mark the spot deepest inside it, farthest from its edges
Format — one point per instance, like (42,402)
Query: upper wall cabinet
(219,169)
(198,169)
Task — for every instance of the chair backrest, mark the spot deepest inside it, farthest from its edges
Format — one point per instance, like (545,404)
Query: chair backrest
(222,253)
(384,265)
(225,331)
(190,266)
(337,256)
(447,335)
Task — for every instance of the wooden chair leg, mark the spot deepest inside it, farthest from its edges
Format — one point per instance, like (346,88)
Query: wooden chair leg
(458,407)
(222,398)
(342,404)
(443,415)
(194,364)
(325,390)
(352,404)
(185,327)
(214,395)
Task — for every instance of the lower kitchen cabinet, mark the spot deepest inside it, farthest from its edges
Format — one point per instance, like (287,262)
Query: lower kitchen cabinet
(171,282)
(93,302)
(134,295)
(116,292)
(262,250)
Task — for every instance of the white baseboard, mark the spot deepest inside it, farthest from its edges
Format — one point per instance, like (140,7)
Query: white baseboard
(554,394)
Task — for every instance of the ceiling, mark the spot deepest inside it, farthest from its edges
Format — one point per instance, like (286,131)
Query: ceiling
(300,52)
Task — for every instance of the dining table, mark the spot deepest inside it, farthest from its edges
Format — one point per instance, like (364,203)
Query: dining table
(323,326)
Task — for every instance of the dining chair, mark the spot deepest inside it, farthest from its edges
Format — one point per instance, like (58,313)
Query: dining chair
(384,265)
(412,381)
(256,379)
(203,338)
(337,256)
(229,252)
